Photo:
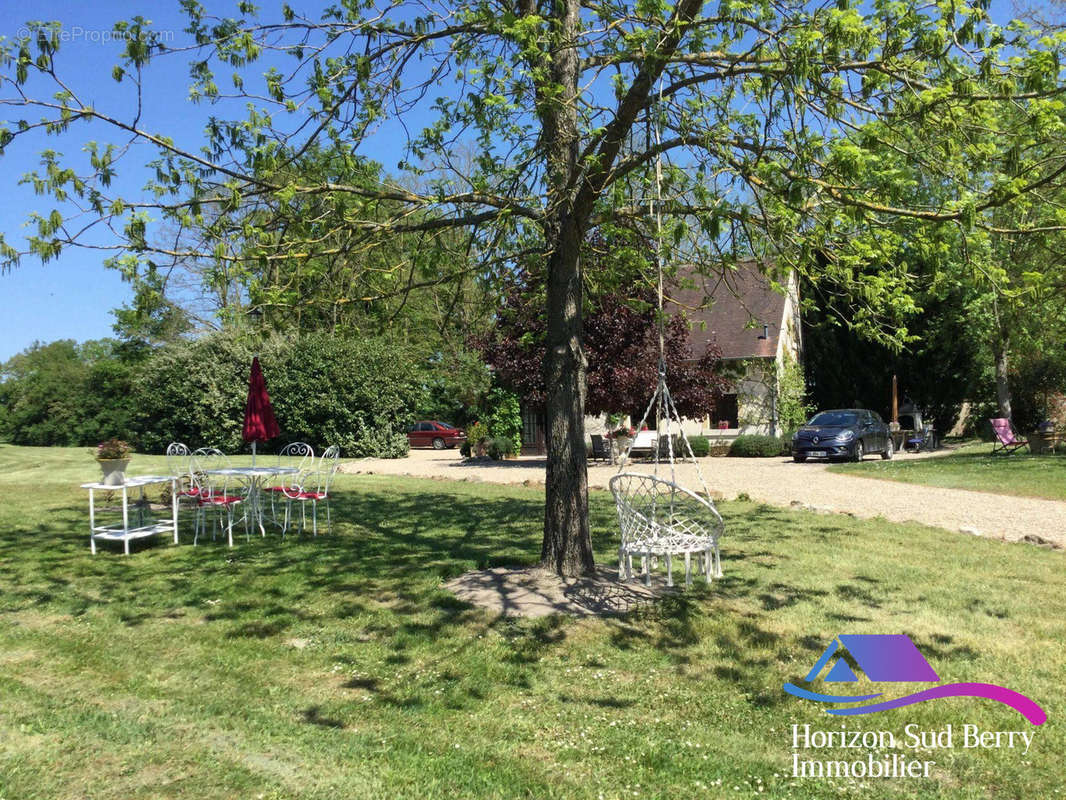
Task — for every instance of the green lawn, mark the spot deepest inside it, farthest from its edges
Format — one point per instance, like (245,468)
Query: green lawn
(337,667)
(973,467)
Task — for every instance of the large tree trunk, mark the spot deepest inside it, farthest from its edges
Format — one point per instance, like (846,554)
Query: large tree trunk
(567,547)
(573,188)
(1002,377)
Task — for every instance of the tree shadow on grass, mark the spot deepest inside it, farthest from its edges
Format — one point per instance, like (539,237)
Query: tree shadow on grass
(378,577)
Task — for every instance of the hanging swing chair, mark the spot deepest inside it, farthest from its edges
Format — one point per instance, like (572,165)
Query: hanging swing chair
(659,518)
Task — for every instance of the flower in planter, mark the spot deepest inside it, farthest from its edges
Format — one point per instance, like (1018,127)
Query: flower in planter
(112,449)
(622,433)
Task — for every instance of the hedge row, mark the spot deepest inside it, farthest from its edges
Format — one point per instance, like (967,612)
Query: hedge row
(757,446)
(360,394)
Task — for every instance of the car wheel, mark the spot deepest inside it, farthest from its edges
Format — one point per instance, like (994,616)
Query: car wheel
(438,443)
(799,459)
(857,451)
(888,451)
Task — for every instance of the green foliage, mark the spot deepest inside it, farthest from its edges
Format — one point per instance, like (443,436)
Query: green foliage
(194,392)
(792,406)
(832,137)
(505,418)
(381,442)
(938,371)
(501,446)
(1035,385)
(701,446)
(477,433)
(456,385)
(359,394)
(63,393)
(754,445)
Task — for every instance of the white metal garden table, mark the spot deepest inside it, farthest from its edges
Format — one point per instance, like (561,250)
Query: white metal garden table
(145,525)
(254,477)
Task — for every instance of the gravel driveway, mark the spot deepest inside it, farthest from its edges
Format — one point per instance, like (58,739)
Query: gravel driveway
(782,482)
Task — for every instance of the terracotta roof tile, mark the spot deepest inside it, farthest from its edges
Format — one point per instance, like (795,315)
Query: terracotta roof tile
(730,310)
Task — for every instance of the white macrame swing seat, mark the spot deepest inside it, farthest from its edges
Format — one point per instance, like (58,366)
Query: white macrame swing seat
(661,519)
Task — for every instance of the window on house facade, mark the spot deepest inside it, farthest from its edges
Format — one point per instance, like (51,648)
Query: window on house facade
(725,410)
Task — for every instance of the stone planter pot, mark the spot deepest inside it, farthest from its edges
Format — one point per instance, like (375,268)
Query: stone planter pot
(114,470)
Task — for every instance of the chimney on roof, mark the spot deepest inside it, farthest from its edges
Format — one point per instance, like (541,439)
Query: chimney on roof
(765,331)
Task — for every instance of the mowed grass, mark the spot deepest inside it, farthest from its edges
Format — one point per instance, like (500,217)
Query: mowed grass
(974,467)
(338,667)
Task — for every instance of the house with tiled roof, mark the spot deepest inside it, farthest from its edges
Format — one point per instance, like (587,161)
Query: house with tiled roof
(753,321)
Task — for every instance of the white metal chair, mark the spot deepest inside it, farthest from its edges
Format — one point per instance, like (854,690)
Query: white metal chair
(178,456)
(220,494)
(660,519)
(312,486)
(298,455)
(179,464)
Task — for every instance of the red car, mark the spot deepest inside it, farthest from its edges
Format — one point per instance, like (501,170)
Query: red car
(438,435)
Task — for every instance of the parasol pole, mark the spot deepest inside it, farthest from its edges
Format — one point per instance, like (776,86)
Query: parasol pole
(256,314)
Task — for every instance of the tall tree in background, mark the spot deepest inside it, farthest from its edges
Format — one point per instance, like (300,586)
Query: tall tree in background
(756,109)
(621,345)
(1001,267)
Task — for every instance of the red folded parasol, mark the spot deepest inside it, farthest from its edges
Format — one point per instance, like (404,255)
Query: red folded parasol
(259,422)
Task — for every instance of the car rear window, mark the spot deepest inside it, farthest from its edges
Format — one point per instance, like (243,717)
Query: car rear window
(834,418)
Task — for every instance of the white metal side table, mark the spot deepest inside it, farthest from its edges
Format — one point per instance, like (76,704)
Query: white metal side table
(145,525)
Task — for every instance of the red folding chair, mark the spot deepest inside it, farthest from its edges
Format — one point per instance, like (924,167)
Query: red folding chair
(1007,440)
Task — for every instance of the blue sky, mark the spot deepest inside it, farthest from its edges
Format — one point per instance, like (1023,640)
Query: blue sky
(72,297)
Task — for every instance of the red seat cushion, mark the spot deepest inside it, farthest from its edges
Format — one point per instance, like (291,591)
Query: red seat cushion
(219,500)
(193,492)
(312,495)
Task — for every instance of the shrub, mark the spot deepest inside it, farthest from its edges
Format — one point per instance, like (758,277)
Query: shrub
(755,446)
(358,394)
(381,443)
(506,418)
(701,446)
(464,449)
(477,433)
(500,446)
